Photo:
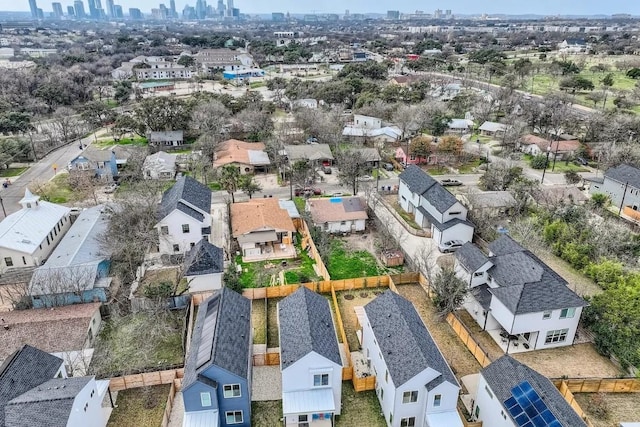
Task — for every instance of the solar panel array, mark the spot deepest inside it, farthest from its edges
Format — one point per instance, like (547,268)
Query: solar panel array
(528,409)
(208,329)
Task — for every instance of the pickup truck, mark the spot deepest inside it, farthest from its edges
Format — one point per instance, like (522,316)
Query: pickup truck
(450,182)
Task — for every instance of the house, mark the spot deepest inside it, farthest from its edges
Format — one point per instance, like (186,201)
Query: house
(159,165)
(204,267)
(310,360)
(305,103)
(460,125)
(366,122)
(490,203)
(216,387)
(67,331)
(573,46)
(559,195)
(28,236)
(248,157)
(414,383)
(446,92)
(371,156)
(411,159)
(433,206)
(510,394)
(263,229)
(214,60)
(100,163)
(492,129)
(35,392)
(622,184)
(379,136)
(316,154)
(77,270)
(518,299)
(338,214)
(172,138)
(184,216)
(535,145)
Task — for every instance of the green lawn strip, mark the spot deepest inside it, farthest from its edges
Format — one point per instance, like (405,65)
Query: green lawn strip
(437,170)
(137,141)
(140,407)
(300,203)
(9,172)
(58,190)
(359,409)
(273,338)
(266,413)
(346,264)
(469,166)
(259,319)
(215,186)
(406,216)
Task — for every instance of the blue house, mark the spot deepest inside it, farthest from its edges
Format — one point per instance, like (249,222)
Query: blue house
(217,375)
(103,163)
(77,271)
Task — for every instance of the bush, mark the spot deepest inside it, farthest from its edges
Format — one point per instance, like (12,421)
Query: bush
(539,161)
(158,290)
(605,273)
(231,278)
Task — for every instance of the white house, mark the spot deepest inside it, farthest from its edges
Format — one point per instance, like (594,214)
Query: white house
(310,360)
(28,236)
(460,125)
(159,165)
(204,267)
(338,214)
(433,206)
(621,184)
(519,300)
(511,394)
(414,383)
(366,122)
(184,216)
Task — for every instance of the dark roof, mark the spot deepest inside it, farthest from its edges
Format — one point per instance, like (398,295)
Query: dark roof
(47,405)
(416,179)
(506,372)
(204,258)
(504,245)
(471,257)
(515,269)
(186,191)
(440,198)
(440,225)
(404,341)
(624,174)
(482,295)
(225,318)
(306,326)
(23,370)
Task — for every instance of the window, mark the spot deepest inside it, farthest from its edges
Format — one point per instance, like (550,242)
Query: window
(567,313)
(437,399)
(185,228)
(386,376)
(477,412)
(409,397)
(546,315)
(478,274)
(24,260)
(176,248)
(234,417)
(381,394)
(48,240)
(390,417)
(205,399)
(486,388)
(455,213)
(206,231)
(29,205)
(191,244)
(8,261)
(559,335)
(303,420)
(343,222)
(320,380)
(231,390)
(408,422)
(164,230)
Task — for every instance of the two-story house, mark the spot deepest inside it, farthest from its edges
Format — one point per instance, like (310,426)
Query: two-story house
(204,267)
(519,300)
(510,394)
(433,206)
(414,383)
(309,360)
(216,388)
(622,185)
(28,236)
(184,216)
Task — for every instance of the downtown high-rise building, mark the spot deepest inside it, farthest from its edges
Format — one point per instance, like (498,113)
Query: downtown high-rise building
(172,9)
(109,10)
(71,11)
(78,6)
(33,6)
(135,14)
(117,11)
(57,10)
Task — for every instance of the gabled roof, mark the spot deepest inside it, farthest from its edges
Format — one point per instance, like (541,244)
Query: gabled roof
(439,197)
(46,405)
(259,215)
(203,258)
(185,195)
(460,123)
(308,152)
(25,369)
(504,245)
(492,127)
(306,326)
(236,151)
(161,162)
(337,209)
(404,341)
(443,225)
(471,257)
(221,337)
(416,179)
(624,174)
(163,136)
(506,373)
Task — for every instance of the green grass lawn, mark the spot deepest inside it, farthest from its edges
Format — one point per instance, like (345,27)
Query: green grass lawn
(469,166)
(215,186)
(9,172)
(300,203)
(266,413)
(406,216)
(58,190)
(359,409)
(305,272)
(347,264)
(259,320)
(140,407)
(137,141)
(562,167)
(437,170)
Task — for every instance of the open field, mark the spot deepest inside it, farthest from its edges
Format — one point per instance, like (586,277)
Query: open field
(140,407)
(621,407)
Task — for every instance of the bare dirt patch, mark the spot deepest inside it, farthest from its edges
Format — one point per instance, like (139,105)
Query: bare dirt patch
(347,300)
(621,407)
(578,282)
(273,337)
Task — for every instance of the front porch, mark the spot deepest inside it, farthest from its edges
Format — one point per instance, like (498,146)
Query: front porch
(269,251)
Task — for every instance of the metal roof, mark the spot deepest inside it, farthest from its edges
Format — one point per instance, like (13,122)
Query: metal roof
(308,401)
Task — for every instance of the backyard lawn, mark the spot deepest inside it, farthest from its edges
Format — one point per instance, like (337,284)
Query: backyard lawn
(359,409)
(140,407)
(57,190)
(136,140)
(273,337)
(266,413)
(259,320)
(347,264)
(10,172)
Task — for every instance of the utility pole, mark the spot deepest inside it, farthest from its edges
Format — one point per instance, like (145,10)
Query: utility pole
(621,201)
(545,164)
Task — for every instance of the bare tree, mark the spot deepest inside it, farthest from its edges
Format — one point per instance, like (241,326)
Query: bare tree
(210,118)
(351,166)
(66,123)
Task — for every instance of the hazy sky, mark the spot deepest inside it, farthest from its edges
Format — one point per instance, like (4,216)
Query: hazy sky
(545,7)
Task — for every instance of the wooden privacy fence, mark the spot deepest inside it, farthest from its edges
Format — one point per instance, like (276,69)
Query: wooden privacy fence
(468,423)
(146,379)
(364,384)
(463,333)
(307,241)
(175,386)
(600,385)
(568,396)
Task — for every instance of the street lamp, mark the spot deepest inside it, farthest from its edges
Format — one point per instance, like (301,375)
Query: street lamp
(545,164)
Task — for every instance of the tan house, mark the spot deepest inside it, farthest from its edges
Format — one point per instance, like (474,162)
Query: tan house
(338,214)
(534,145)
(249,157)
(263,229)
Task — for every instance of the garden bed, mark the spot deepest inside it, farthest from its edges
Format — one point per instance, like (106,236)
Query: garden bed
(140,407)
(347,300)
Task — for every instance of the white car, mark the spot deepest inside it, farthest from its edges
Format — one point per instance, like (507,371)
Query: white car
(450,246)
(365,178)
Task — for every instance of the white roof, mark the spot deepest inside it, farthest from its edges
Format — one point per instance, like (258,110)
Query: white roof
(391,131)
(290,207)
(307,401)
(492,126)
(449,419)
(258,157)
(26,229)
(201,419)
(160,161)
(460,124)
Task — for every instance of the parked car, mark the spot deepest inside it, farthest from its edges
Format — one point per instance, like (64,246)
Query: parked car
(365,178)
(450,182)
(326,170)
(450,246)
(388,166)
(307,191)
(582,161)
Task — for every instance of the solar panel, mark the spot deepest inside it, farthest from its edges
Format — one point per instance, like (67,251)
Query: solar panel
(527,408)
(205,346)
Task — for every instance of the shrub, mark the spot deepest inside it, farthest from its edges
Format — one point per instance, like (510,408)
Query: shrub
(539,161)
(605,273)
(158,290)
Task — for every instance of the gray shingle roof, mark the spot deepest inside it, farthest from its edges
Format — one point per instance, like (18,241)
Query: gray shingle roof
(47,405)
(482,295)
(506,372)
(23,370)
(440,198)
(443,226)
(204,258)
(504,245)
(404,341)
(471,257)
(186,189)
(416,179)
(306,325)
(231,347)
(624,174)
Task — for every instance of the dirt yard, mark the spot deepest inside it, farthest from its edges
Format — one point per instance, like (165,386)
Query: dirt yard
(273,338)
(578,282)
(347,300)
(459,358)
(621,407)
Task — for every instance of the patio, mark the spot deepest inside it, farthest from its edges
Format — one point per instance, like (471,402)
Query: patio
(513,344)
(270,251)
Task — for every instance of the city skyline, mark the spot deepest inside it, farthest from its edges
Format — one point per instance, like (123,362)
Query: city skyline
(463,7)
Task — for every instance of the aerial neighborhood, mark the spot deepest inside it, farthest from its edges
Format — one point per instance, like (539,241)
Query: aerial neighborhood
(218,217)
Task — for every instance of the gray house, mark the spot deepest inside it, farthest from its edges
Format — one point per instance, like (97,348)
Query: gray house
(217,375)
(166,138)
(621,184)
